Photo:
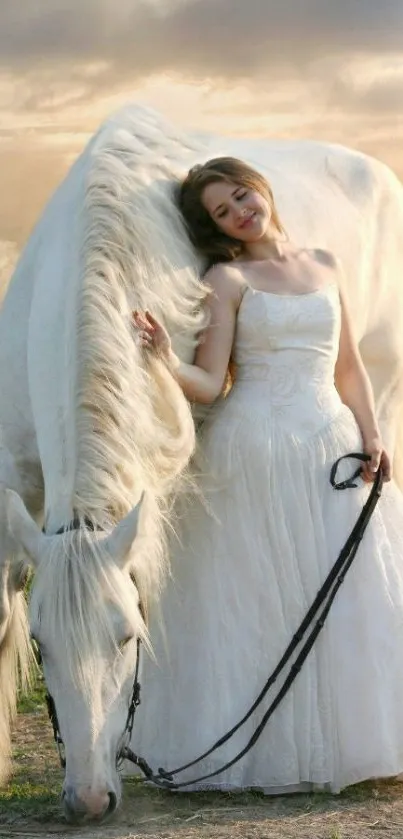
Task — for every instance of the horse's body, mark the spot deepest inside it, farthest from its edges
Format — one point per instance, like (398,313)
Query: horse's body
(86,426)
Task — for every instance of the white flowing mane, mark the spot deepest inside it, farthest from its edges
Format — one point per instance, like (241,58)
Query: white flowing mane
(134,427)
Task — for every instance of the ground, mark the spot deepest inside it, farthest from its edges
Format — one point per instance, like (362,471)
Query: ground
(29,805)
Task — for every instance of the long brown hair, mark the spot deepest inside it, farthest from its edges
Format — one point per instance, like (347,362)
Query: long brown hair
(204,233)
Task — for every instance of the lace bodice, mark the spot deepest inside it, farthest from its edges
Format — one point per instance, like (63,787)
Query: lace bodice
(285,351)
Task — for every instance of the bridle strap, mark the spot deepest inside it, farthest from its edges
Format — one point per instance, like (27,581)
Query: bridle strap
(51,709)
(76,523)
(52,714)
(127,731)
(134,703)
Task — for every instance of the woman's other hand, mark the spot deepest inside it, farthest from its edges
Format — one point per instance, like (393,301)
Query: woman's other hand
(151,334)
(379,458)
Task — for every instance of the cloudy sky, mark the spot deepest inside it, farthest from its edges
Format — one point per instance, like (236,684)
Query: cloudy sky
(325,69)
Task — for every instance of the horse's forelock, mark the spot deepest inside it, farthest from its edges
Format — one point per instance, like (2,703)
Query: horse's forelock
(75,587)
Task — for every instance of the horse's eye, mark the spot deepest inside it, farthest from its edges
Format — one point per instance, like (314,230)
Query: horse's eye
(124,641)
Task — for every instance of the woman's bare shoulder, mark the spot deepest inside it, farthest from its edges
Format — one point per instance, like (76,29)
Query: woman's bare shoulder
(225,279)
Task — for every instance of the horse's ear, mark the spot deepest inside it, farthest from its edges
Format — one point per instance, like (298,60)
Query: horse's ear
(119,543)
(22,527)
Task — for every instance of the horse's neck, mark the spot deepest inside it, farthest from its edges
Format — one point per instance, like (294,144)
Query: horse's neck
(52,346)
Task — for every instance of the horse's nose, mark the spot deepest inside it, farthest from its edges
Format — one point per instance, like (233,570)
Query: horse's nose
(85,804)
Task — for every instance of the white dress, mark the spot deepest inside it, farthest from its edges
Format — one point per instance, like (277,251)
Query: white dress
(249,561)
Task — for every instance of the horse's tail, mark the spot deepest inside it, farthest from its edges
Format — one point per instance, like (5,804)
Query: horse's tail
(16,660)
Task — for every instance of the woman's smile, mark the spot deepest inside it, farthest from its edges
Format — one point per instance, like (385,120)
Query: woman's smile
(247,221)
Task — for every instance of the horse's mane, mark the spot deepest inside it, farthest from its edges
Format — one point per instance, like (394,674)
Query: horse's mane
(134,426)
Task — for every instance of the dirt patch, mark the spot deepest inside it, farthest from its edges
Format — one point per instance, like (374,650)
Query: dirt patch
(29,805)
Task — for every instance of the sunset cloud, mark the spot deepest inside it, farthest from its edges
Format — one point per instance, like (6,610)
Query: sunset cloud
(327,69)
(227,39)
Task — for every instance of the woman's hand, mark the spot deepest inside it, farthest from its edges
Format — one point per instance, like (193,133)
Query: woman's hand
(379,458)
(152,335)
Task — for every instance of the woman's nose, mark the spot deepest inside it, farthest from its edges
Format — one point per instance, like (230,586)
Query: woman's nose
(240,212)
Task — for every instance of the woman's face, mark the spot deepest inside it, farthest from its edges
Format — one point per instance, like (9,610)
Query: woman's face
(238,211)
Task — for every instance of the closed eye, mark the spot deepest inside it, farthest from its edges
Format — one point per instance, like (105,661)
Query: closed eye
(238,197)
(123,643)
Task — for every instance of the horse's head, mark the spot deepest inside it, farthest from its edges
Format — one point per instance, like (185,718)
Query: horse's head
(86,619)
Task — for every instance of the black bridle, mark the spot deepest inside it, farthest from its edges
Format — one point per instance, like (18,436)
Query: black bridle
(123,750)
(317,612)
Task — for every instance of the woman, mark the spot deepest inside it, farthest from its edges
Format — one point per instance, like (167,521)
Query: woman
(257,542)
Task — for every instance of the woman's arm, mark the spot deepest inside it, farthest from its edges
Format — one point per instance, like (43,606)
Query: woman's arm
(202,381)
(355,391)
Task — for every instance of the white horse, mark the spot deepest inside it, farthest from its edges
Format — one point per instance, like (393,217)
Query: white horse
(88,424)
